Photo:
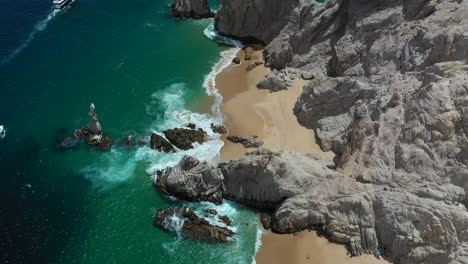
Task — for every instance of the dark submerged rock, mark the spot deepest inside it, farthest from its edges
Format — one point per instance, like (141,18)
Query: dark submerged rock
(194,227)
(225,219)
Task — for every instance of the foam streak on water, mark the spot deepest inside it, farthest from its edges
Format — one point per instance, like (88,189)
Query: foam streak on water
(41,26)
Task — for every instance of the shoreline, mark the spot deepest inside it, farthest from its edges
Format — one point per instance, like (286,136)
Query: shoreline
(252,112)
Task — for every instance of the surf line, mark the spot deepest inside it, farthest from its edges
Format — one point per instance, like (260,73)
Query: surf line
(40,26)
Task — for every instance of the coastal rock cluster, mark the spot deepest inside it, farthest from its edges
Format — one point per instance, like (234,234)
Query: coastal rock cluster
(196,9)
(191,226)
(92,134)
(388,94)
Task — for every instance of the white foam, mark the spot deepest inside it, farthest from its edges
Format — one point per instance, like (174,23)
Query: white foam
(211,33)
(210,80)
(2,131)
(40,26)
(115,166)
(258,243)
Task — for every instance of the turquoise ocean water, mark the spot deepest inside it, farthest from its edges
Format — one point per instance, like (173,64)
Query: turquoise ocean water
(145,72)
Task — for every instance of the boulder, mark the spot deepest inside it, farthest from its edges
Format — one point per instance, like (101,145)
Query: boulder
(197,9)
(265,219)
(159,143)
(307,76)
(184,138)
(220,129)
(236,60)
(193,227)
(254,65)
(192,180)
(246,142)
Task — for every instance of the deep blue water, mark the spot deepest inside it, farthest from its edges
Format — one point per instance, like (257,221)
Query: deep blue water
(145,72)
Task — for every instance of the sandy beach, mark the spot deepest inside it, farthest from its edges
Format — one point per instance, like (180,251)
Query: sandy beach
(249,112)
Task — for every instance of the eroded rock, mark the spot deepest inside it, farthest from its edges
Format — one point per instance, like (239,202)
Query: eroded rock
(192,180)
(159,143)
(184,138)
(246,142)
(193,226)
(191,9)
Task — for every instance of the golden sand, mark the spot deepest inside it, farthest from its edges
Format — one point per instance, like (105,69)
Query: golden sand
(249,112)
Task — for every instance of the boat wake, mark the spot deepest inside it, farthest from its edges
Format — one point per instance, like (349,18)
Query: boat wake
(40,26)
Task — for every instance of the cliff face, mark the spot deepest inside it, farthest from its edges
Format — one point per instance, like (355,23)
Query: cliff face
(389,98)
(253,21)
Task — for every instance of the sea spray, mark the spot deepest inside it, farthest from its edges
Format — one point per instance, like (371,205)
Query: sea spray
(40,26)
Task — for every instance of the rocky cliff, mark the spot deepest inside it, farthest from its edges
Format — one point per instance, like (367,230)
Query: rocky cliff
(191,9)
(390,98)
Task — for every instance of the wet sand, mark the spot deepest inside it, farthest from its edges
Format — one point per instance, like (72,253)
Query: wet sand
(249,111)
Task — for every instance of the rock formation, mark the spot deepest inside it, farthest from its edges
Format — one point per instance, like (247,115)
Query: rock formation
(220,129)
(94,126)
(191,9)
(253,21)
(93,132)
(389,98)
(306,192)
(192,180)
(159,143)
(184,138)
(192,227)
(246,142)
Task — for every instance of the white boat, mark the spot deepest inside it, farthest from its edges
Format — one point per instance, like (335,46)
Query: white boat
(62,4)
(2,131)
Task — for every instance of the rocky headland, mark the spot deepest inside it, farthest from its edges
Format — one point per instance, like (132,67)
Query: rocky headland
(387,92)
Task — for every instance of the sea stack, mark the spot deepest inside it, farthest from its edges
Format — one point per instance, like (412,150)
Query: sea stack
(94,125)
(93,132)
(196,9)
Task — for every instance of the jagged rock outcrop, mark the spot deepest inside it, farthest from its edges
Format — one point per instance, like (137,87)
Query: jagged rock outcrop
(193,226)
(253,21)
(92,134)
(94,126)
(390,98)
(191,9)
(184,138)
(246,142)
(306,192)
(159,143)
(192,180)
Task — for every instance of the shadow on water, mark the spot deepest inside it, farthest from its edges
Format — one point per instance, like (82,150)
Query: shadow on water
(39,206)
